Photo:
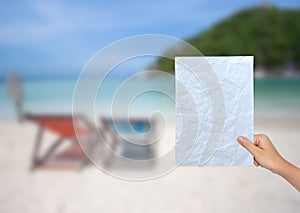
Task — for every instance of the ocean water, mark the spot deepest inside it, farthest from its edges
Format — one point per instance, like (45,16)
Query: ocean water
(55,96)
(273,97)
(277,97)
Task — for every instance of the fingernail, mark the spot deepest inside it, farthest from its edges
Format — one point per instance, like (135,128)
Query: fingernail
(240,138)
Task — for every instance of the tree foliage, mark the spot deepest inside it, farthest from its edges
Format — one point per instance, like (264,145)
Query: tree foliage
(271,34)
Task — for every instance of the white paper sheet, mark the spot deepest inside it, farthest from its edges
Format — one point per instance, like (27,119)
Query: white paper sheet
(214,105)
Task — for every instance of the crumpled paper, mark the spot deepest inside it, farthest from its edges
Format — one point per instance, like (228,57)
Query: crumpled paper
(214,105)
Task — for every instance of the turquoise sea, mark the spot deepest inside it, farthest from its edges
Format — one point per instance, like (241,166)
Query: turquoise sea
(277,97)
(273,97)
(54,96)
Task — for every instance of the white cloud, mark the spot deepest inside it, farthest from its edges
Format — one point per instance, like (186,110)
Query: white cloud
(59,18)
(56,19)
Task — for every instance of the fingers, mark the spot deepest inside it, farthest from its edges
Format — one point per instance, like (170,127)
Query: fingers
(246,143)
(255,163)
(262,141)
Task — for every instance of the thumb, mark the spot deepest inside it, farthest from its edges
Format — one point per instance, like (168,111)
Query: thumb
(246,143)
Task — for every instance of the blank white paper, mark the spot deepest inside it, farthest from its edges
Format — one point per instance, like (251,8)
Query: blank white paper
(214,105)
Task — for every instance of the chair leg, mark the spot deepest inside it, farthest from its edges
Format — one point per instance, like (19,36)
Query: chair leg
(36,148)
(36,158)
(50,151)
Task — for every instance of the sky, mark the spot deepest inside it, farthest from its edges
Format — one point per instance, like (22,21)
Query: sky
(57,38)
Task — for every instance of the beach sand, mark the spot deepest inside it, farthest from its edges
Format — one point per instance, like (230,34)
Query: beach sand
(186,189)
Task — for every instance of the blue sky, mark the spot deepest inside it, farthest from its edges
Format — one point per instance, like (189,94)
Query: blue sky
(57,38)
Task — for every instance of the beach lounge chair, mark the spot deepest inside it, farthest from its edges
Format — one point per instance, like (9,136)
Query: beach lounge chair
(65,152)
(130,139)
(59,154)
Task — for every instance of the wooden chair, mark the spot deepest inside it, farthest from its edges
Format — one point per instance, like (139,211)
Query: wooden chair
(69,157)
(135,145)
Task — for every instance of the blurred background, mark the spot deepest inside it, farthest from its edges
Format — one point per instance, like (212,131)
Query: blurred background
(44,45)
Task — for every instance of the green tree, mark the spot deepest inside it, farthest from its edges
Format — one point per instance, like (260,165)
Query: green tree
(271,34)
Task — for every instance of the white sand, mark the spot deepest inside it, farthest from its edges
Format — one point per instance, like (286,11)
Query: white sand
(218,189)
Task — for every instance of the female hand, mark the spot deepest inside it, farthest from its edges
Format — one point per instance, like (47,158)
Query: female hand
(266,155)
